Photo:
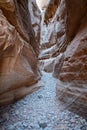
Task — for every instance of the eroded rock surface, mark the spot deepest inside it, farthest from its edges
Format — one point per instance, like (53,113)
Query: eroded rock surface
(53,33)
(66,41)
(74,67)
(35,20)
(18,50)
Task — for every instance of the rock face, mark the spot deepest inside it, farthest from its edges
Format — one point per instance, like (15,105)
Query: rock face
(19,73)
(53,33)
(35,20)
(74,68)
(69,21)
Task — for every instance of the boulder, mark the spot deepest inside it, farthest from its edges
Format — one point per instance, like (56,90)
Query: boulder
(58,65)
(48,65)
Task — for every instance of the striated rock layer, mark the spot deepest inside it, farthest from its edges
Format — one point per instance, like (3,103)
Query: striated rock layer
(19,73)
(70,50)
(36,21)
(53,33)
(74,68)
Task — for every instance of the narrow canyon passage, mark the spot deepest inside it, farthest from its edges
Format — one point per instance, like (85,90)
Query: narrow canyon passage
(40,111)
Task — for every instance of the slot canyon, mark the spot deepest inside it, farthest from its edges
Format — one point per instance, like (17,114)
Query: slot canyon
(43,65)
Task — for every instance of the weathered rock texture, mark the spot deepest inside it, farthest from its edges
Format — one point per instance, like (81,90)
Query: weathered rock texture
(74,68)
(74,63)
(35,20)
(69,37)
(53,33)
(18,50)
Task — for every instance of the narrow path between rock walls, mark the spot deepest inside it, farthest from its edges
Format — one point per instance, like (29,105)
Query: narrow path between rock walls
(40,111)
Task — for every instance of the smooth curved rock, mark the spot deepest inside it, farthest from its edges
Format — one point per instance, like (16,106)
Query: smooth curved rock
(36,21)
(48,65)
(73,88)
(8,4)
(75,62)
(19,73)
(58,65)
(66,24)
(74,17)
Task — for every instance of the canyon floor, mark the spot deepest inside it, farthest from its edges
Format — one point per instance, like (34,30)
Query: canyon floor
(40,110)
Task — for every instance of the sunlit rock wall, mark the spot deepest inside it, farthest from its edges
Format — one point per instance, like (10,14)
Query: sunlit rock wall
(19,73)
(42,4)
(54,39)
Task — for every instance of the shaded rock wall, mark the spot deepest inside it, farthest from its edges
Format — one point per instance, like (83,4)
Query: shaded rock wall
(20,18)
(70,32)
(19,73)
(35,20)
(70,51)
(76,11)
(74,68)
(75,31)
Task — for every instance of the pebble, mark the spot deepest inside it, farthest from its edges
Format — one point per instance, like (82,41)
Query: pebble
(83,127)
(6,116)
(43,125)
(40,96)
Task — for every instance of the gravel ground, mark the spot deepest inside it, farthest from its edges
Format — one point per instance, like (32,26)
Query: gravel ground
(40,111)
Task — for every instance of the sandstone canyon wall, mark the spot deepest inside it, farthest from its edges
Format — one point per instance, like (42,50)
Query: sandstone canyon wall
(36,21)
(54,39)
(68,45)
(19,73)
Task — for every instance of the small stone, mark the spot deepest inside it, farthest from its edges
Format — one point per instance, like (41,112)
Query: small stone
(36,126)
(19,128)
(40,96)
(31,126)
(25,124)
(6,116)
(86,119)
(16,112)
(11,127)
(43,125)
(83,127)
